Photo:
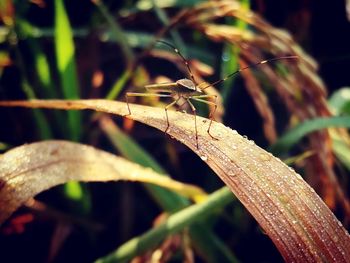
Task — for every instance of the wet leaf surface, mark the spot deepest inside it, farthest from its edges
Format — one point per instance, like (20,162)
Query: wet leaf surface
(286,207)
(30,169)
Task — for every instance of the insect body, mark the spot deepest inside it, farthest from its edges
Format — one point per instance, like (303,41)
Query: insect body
(184,89)
(187,90)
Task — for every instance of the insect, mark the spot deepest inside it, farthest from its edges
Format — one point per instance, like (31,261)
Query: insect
(187,89)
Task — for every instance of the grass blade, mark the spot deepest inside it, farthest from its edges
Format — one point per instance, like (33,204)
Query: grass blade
(173,224)
(230,58)
(340,101)
(162,16)
(36,167)
(285,206)
(342,151)
(118,34)
(44,129)
(285,142)
(205,240)
(65,56)
(167,200)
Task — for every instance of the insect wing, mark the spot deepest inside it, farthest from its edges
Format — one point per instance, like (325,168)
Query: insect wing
(162,87)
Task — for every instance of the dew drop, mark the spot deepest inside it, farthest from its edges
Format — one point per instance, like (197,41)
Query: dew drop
(231,173)
(225,57)
(204,158)
(251,142)
(291,169)
(265,156)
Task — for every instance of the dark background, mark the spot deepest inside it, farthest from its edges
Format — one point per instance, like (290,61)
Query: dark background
(323,30)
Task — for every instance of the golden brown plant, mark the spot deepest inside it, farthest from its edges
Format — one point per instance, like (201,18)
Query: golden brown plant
(302,91)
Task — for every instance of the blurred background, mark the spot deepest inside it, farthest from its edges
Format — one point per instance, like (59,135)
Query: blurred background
(103,49)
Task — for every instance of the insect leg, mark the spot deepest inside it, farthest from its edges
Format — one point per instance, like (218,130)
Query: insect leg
(133,94)
(201,98)
(166,113)
(195,119)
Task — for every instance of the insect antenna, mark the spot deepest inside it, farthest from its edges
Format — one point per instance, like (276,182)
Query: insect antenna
(182,57)
(246,67)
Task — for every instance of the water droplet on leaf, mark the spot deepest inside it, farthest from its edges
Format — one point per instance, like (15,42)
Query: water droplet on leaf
(204,158)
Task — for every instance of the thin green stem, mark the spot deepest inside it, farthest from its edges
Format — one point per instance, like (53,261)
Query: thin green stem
(174,224)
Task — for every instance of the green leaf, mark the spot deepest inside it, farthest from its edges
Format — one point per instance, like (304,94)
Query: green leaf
(79,197)
(229,64)
(118,85)
(340,101)
(163,17)
(27,31)
(230,58)
(66,65)
(144,5)
(118,34)
(131,150)
(4,146)
(117,31)
(65,56)
(43,127)
(342,151)
(138,39)
(214,250)
(174,224)
(297,133)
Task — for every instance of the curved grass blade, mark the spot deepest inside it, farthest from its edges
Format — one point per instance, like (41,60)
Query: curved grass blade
(36,167)
(173,224)
(290,212)
(285,142)
(342,151)
(30,169)
(205,240)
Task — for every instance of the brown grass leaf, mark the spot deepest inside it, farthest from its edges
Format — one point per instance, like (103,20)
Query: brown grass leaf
(30,169)
(286,207)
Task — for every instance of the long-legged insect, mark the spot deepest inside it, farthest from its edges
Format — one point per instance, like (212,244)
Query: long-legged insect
(188,89)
